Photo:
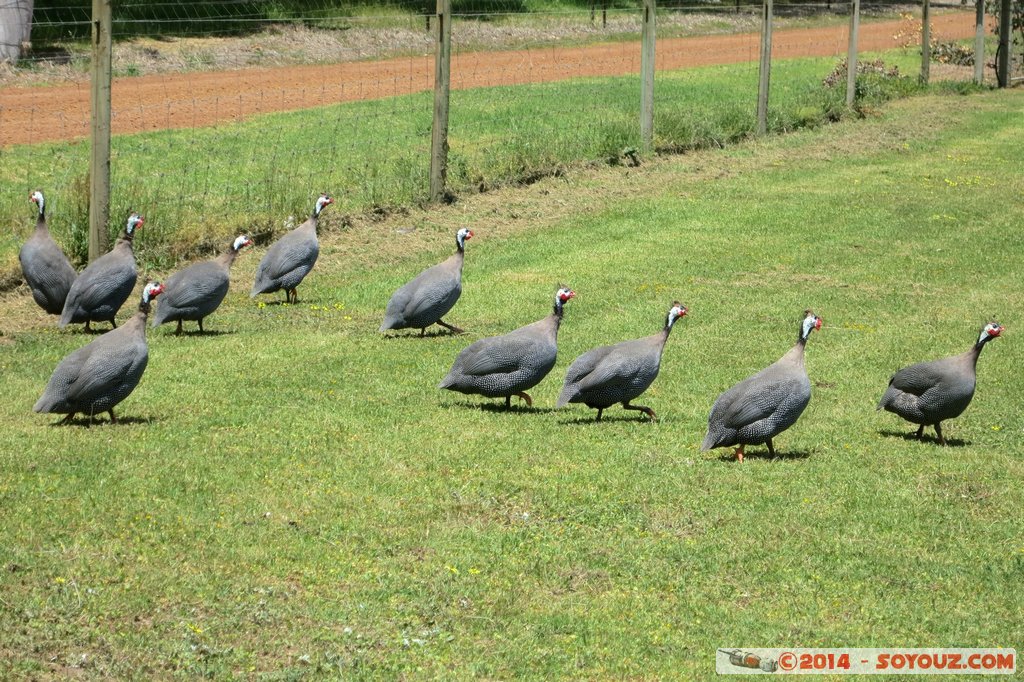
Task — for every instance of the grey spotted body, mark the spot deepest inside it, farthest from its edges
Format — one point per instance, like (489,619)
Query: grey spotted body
(46,269)
(103,287)
(192,294)
(619,373)
(102,373)
(929,393)
(430,295)
(507,365)
(290,258)
(762,406)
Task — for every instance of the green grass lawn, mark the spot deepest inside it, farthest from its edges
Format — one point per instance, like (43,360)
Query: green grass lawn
(292,495)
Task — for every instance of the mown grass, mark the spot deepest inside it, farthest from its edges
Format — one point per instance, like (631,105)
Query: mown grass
(293,496)
(199,187)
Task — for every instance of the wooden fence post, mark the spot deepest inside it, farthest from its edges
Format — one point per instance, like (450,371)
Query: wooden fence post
(1003,55)
(442,92)
(766,67)
(926,41)
(979,41)
(647,54)
(99,154)
(851,53)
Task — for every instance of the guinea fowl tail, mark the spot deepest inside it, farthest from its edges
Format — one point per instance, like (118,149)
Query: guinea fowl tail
(710,441)
(565,397)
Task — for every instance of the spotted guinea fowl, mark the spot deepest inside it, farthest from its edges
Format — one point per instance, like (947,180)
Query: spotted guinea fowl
(427,298)
(290,258)
(929,393)
(195,292)
(103,287)
(619,373)
(102,373)
(762,406)
(508,365)
(46,269)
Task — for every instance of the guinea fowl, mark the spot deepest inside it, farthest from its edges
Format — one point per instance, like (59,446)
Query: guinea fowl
(290,258)
(102,373)
(427,298)
(103,287)
(762,406)
(508,365)
(46,269)
(195,292)
(929,393)
(619,373)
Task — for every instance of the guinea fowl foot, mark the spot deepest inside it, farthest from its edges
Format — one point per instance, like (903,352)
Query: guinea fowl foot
(646,410)
(178,330)
(739,453)
(938,432)
(201,331)
(920,432)
(113,419)
(66,420)
(599,411)
(522,396)
(771,448)
(87,328)
(451,327)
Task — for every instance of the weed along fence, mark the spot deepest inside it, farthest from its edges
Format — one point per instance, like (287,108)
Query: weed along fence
(230,116)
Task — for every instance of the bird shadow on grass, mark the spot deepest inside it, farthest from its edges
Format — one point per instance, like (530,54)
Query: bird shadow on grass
(592,421)
(416,335)
(499,408)
(196,332)
(88,422)
(764,454)
(927,437)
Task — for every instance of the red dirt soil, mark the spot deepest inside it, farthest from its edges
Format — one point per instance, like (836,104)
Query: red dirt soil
(40,114)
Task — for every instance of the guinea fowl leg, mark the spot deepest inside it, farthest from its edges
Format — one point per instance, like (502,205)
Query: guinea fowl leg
(771,448)
(67,419)
(938,432)
(201,326)
(739,453)
(523,396)
(178,330)
(113,324)
(450,327)
(920,432)
(113,419)
(646,410)
(599,411)
(423,332)
(87,329)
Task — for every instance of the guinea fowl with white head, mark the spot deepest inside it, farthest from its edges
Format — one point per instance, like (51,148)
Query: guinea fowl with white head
(619,373)
(290,258)
(46,269)
(762,406)
(195,292)
(102,373)
(103,287)
(430,295)
(509,365)
(929,393)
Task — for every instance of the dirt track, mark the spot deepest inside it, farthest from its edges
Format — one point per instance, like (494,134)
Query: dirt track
(29,115)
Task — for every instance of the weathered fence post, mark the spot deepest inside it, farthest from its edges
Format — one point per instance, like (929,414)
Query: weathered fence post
(851,53)
(99,156)
(766,67)
(926,41)
(1003,55)
(442,92)
(647,54)
(979,41)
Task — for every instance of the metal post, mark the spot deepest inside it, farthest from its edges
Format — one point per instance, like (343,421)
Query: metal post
(442,93)
(766,67)
(647,54)
(851,53)
(1003,60)
(979,41)
(99,157)
(926,41)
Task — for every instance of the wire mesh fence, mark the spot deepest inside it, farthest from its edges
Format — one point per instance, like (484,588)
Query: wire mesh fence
(233,116)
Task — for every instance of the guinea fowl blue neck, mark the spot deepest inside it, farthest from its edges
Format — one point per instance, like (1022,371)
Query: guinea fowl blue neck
(990,331)
(678,310)
(809,324)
